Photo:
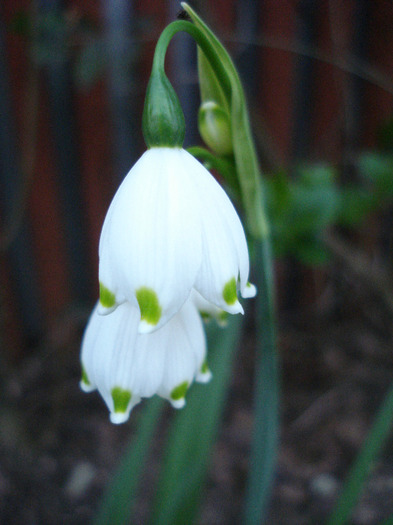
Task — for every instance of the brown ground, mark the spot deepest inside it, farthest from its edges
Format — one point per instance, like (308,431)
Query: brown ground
(57,447)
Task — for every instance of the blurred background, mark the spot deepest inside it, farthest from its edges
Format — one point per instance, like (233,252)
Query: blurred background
(319,82)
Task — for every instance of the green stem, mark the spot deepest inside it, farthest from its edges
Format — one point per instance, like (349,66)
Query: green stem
(203,42)
(374,442)
(266,425)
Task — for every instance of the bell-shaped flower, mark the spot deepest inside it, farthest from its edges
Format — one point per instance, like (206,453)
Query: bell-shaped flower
(126,366)
(171,228)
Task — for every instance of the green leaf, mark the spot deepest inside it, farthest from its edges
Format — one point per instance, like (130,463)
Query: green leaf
(316,175)
(378,169)
(266,423)
(119,498)
(193,433)
(311,252)
(312,209)
(355,204)
(90,64)
(365,460)
(301,210)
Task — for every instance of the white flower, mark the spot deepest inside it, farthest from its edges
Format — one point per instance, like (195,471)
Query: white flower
(126,366)
(171,228)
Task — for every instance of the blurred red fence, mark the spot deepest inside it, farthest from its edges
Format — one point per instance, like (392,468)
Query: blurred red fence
(318,76)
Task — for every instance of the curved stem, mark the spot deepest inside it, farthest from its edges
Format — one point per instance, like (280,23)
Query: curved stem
(203,42)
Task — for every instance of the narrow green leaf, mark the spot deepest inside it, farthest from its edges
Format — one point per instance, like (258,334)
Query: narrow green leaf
(118,501)
(266,425)
(193,434)
(375,440)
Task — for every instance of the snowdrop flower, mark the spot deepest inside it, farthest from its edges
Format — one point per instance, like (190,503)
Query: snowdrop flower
(126,366)
(171,228)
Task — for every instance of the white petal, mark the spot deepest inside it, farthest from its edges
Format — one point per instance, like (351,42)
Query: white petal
(224,246)
(204,376)
(126,366)
(249,291)
(107,355)
(150,238)
(185,354)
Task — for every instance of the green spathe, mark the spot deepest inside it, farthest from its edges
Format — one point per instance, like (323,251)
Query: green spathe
(121,399)
(107,298)
(230,292)
(149,305)
(179,391)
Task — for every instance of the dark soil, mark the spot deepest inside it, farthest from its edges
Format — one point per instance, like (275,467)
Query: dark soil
(58,448)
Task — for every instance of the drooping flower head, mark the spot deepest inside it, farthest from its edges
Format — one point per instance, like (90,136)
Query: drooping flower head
(171,228)
(126,366)
(171,243)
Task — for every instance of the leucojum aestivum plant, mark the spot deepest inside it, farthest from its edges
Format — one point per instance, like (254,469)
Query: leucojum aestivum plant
(173,251)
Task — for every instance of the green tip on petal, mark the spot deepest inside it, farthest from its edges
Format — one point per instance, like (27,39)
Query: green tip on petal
(204,375)
(85,378)
(205,316)
(249,291)
(149,305)
(230,292)
(107,298)
(85,382)
(204,368)
(179,392)
(121,399)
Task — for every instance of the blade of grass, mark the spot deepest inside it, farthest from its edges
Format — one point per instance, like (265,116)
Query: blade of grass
(193,434)
(266,434)
(375,440)
(118,500)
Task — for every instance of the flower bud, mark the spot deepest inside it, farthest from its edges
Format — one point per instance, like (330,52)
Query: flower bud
(215,128)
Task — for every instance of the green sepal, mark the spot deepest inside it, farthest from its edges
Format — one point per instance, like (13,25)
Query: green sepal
(163,119)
